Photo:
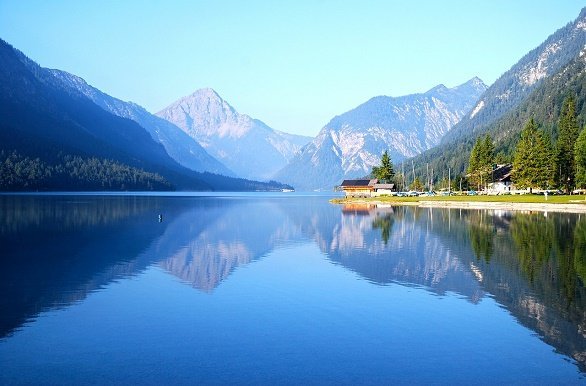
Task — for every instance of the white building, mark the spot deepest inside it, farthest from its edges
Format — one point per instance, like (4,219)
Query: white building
(501,176)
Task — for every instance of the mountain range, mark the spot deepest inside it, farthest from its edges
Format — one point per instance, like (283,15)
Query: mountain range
(182,148)
(352,143)
(53,137)
(245,145)
(534,87)
(57,131)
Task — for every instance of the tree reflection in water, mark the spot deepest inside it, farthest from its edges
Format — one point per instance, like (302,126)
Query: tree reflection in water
(385,224)
(533,264)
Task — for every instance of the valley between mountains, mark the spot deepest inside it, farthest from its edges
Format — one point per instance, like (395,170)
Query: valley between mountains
(57,132)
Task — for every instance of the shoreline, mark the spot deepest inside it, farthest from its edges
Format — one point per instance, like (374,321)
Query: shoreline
(508,206)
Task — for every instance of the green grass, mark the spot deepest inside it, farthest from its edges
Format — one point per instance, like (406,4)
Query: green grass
(525,198)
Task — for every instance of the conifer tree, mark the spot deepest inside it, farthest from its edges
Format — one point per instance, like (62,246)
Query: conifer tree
(567,135)
(385,171)
(487,158)
(474,162)
(580,159)
(549,159)
(481,161)
(416,185)
(532,164)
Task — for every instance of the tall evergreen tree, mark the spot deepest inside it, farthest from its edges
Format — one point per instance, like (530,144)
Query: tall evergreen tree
(532,163)
(385,171)
(474,162)
(488,151)
(567,135)
(549,158)
(487,158)
(580,159)
(481,161)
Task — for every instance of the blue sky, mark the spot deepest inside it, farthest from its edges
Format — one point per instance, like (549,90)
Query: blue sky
(293,65)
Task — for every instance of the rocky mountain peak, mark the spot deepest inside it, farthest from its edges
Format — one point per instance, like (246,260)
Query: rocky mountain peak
(474,83)
(351,143)
(245,145)
(207,96)
(204,114)
(439,88)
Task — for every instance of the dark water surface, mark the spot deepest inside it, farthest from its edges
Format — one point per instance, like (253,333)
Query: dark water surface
(277,289)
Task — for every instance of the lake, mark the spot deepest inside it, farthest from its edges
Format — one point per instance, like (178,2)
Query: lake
(286,289)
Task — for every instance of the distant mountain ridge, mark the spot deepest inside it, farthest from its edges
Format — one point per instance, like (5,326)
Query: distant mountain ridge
(351,143)
(523,77)
(245,145)
(44,121)
(53,137)
(534,87)
(178,145)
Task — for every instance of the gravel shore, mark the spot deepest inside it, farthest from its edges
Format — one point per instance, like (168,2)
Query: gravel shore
(516,206)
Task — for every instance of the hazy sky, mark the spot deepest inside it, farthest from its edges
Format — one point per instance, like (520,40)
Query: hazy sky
(293,65)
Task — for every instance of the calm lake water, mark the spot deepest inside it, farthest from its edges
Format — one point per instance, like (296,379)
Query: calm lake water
(279,289)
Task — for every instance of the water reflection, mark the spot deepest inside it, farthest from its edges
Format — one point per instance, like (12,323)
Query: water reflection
(532,264)
(57,250)
(401,245)
(206,243)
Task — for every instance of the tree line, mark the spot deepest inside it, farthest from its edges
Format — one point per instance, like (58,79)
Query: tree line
(72,172)
(538,159)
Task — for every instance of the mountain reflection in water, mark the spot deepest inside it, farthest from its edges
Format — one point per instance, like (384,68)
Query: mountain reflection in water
(58,249)
(533,264)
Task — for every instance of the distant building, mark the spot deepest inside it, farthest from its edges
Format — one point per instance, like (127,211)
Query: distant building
(501,175)
(366,188)
(383,189)
(358,188)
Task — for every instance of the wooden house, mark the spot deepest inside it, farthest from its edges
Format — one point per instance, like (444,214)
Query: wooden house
(358,188)
(366,188)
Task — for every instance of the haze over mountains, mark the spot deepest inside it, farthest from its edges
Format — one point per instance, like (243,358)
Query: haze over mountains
(53,137)
(246,145)
(352,143)
(49,117)
(178,145)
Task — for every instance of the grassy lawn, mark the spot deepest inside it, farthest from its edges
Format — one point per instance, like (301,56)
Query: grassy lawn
(525,198)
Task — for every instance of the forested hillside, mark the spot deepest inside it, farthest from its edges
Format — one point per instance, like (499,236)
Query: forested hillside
(534,87)
(18,172)
(54,139)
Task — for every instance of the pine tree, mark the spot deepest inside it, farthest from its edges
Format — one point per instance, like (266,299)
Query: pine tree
(487,158)
(502,158)
(481,161)
(567,135)
(474,163)
(385,171)
(580,159)
(532,163)
(549,159)
(416,185)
